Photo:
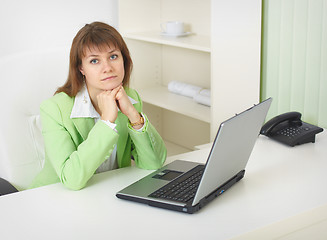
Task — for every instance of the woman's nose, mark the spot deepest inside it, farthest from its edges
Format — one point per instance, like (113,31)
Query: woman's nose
(107,66)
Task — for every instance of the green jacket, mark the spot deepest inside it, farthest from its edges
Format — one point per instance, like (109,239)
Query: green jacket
(76,147)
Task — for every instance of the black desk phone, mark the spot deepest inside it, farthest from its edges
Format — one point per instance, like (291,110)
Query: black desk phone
(289,129)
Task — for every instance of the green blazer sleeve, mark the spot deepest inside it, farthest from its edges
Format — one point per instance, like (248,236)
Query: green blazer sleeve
(148,148)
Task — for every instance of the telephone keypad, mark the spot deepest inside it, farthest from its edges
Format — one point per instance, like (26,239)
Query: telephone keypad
(291,131)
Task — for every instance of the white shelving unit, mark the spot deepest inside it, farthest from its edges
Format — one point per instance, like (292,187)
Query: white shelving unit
(159,95)
(159,59)
(196,59)
(162,98)
(192,41)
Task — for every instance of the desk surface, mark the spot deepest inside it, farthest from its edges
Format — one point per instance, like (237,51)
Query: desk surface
(283,190)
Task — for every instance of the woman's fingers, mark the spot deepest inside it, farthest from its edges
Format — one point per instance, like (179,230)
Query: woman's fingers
(107,105)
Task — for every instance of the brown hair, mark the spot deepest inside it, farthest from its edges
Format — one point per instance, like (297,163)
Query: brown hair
(99,35)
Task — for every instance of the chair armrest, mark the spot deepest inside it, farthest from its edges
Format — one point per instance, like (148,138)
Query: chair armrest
(6,187)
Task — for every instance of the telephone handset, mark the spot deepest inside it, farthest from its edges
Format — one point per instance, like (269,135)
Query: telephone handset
(289,129)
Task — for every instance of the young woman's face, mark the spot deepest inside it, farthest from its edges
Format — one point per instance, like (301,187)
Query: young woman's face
(103,70)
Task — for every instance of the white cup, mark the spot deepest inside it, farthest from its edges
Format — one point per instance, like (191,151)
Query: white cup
(172,27)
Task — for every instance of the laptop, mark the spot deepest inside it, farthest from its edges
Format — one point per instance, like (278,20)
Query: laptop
(187,186)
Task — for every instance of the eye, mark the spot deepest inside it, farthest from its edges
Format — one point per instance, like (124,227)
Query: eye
(113,57)
(94,61)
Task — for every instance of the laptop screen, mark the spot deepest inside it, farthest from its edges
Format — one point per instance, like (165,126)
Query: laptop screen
(232,148)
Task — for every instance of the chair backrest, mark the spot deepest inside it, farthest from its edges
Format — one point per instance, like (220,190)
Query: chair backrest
(26,80)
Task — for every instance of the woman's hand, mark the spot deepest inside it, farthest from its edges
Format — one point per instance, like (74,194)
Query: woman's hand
(126,107)
(107,104)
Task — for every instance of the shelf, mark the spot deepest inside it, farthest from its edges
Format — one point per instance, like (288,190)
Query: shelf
(203,146)
(161,97)
(174,149)
(192,41)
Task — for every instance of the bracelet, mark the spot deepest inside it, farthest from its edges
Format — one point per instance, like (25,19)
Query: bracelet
(139,122)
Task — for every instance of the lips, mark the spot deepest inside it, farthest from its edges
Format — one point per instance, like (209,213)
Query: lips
(109,78)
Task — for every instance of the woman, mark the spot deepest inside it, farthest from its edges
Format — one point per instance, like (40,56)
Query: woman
(94,122)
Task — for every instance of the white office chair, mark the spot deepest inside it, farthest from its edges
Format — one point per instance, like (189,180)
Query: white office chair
(26,80)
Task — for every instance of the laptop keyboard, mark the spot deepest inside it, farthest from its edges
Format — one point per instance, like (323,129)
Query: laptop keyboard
(181,189)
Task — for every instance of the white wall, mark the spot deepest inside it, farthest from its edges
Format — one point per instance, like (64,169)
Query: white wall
(37,25)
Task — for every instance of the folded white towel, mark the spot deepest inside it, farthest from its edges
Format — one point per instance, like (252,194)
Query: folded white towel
(184,89)
(203,97)
(199,94)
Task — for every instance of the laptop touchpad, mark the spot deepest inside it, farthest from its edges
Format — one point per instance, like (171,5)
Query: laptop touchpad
(167,175)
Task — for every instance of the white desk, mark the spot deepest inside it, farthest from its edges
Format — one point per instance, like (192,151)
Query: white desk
(283,191)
